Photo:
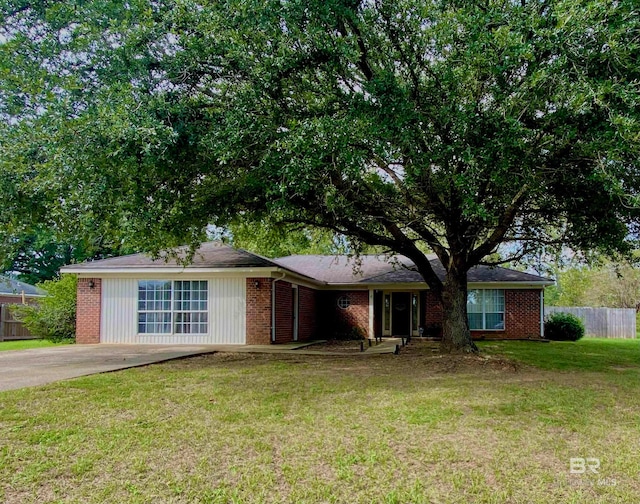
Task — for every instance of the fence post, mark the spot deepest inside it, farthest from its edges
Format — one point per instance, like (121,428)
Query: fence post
(1,322)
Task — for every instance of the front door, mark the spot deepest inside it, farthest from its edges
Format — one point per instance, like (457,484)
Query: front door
(401,317)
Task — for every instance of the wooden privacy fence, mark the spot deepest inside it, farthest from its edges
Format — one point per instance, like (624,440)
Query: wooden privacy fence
(601,322)
(10,328)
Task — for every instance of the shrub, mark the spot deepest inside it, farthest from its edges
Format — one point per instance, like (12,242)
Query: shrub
(433,331)
(54,316)
(348,334)
(562,326)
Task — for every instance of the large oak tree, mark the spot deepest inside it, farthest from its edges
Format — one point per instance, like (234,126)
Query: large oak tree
(454,126)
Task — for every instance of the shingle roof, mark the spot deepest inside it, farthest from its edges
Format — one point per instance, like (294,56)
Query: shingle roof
(14,287)
(326,269)
(208,255)
(336,269)
(380,269)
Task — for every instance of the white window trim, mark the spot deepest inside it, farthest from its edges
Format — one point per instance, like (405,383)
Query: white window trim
(484,311)
(347,300)
(172,311)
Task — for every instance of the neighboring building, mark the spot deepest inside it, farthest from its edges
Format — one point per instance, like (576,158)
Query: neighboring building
(15,292)
(230,296)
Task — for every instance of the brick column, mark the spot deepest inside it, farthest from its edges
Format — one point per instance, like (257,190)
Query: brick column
(284,312)
(88,310)
(308,325)
(258,311)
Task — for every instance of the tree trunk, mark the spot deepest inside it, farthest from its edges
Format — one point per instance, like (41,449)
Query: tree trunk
(456,337)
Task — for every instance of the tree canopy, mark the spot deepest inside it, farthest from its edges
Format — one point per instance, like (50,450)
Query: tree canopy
(609,284)
(271,239)
(450,125)
(37,255)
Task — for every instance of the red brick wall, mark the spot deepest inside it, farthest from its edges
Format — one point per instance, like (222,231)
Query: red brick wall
(522,315)
(432,321)
(337,321)
(258,311)
(284,312)
(308,322)
(88,311)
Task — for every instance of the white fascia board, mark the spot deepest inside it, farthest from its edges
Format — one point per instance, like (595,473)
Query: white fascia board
(128,272)
(423,286)
(297,279)
(509,285)
(265,272)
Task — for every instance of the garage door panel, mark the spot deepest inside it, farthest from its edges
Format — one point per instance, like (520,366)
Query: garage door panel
(227,310)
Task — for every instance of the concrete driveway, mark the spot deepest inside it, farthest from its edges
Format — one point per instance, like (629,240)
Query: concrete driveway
(39,366)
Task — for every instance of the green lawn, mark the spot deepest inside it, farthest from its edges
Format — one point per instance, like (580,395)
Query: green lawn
(413,428)
(26,344)
(588,354)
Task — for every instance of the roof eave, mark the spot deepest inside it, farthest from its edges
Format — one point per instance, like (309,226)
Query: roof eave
(423,285)
(180,270)
(164,270)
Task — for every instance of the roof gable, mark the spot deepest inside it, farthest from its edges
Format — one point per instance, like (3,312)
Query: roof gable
(208,255)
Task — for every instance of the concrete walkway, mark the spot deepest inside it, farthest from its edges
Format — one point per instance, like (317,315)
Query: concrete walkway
(39,366)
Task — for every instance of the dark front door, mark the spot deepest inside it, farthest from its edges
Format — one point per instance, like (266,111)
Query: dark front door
(401,313)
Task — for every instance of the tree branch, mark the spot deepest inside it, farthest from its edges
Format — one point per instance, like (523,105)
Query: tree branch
(407,247)
(501,229)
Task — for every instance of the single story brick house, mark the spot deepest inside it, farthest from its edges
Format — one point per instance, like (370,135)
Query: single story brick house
(231,296)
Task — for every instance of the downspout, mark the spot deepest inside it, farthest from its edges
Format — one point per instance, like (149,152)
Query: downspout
(273,306)
(542,312)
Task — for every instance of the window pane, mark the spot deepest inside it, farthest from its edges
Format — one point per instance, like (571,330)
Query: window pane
(191,323)
(154,323)
(495,320)
(154,295)
(154,305)
(494,300)
(190,304)
(475,320)
(474,301)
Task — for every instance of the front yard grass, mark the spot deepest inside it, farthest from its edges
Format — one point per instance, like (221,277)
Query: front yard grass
(413,428)
(27,344)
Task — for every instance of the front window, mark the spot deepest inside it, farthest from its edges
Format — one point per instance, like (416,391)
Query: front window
(485,309)
(154,307)
(166,307)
